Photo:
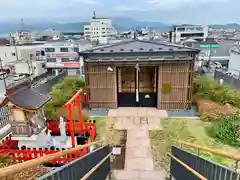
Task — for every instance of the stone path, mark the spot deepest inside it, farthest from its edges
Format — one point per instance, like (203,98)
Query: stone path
(139,161)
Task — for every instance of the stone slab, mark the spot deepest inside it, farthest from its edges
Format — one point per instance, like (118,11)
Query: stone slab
(143,164)
(134,142)
(142,133)
(152,174)
(138,152)
(124,174)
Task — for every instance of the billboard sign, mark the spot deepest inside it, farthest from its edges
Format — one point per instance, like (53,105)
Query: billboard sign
(209,45)
(62,54)
(63,65)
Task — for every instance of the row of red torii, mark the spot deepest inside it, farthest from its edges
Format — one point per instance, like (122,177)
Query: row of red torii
(24,153)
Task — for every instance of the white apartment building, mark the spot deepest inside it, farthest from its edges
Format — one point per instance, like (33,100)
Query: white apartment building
(61,55)
(99,29)
(15,53)
(183,32)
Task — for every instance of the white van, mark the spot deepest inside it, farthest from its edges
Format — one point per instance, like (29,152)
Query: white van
(18,77)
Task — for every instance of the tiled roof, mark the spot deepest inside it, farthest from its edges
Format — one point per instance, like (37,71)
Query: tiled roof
(139,47)
(25,97)
(29,99)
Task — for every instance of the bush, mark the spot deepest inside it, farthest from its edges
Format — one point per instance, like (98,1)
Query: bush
(212,111)
(207,88)
(61,93)
(226,130)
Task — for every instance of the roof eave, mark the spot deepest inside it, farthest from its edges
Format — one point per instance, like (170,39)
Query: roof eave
(31,108)
(4,102)
(140,52)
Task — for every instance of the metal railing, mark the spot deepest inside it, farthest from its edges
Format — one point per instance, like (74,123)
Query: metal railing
(228,78)
(96,156)
(95,165)
(186,165)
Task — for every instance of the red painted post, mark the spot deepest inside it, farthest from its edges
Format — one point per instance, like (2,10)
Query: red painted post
(85,98)
(71,124)
(79,104)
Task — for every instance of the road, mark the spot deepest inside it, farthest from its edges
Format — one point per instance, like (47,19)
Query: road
(36,84)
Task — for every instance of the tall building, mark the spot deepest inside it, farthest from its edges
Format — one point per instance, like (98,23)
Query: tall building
(100,29)
(183,32)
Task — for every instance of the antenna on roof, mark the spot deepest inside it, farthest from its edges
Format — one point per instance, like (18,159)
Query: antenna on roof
(94,15)
(22,24)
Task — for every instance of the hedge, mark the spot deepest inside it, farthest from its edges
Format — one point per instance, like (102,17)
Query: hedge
(208,88)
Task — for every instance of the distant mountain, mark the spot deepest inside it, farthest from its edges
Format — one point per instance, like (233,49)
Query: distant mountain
(226,26)
(128,24)
(120,23)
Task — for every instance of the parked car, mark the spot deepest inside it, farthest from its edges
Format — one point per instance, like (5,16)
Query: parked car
(18,77)
(5,70)
(3,75)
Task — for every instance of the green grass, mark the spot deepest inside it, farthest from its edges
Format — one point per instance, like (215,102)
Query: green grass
(100,123)
(187,130)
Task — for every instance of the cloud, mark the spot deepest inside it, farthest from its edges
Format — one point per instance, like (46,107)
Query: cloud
(84,1)
(130,9)
(165,5)
(177,11)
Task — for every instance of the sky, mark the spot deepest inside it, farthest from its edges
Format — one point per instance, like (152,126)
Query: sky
(167,11)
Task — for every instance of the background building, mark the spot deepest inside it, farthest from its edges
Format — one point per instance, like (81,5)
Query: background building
(140,74)
(99,29)
(15,53)
(183,32)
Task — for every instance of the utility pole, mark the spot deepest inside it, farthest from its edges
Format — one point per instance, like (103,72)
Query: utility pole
(15,47)
(31,65)
(4,80)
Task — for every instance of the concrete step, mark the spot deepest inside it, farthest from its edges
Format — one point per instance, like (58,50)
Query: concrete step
(139,175)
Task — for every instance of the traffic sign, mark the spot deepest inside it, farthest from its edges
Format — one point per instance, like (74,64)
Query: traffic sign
(209,45)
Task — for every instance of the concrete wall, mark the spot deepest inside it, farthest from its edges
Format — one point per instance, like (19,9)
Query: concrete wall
(8,53)
(234,62)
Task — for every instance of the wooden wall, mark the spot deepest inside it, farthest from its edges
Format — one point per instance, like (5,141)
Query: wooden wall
(179,75)
(101,86)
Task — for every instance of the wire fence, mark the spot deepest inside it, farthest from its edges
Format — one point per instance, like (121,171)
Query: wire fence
(228,77)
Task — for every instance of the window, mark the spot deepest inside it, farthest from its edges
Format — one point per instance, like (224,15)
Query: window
(180,29)
(50,49)
(103,28)
(76,49)
(42,53)
(189,29)
(192,35)
(63,49)
(13,54)
(51,59)
(65,59)
(199,28)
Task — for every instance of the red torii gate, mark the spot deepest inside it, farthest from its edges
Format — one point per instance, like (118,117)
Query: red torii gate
(76,99)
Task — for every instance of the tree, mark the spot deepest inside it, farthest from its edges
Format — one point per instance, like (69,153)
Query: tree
(61,93)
